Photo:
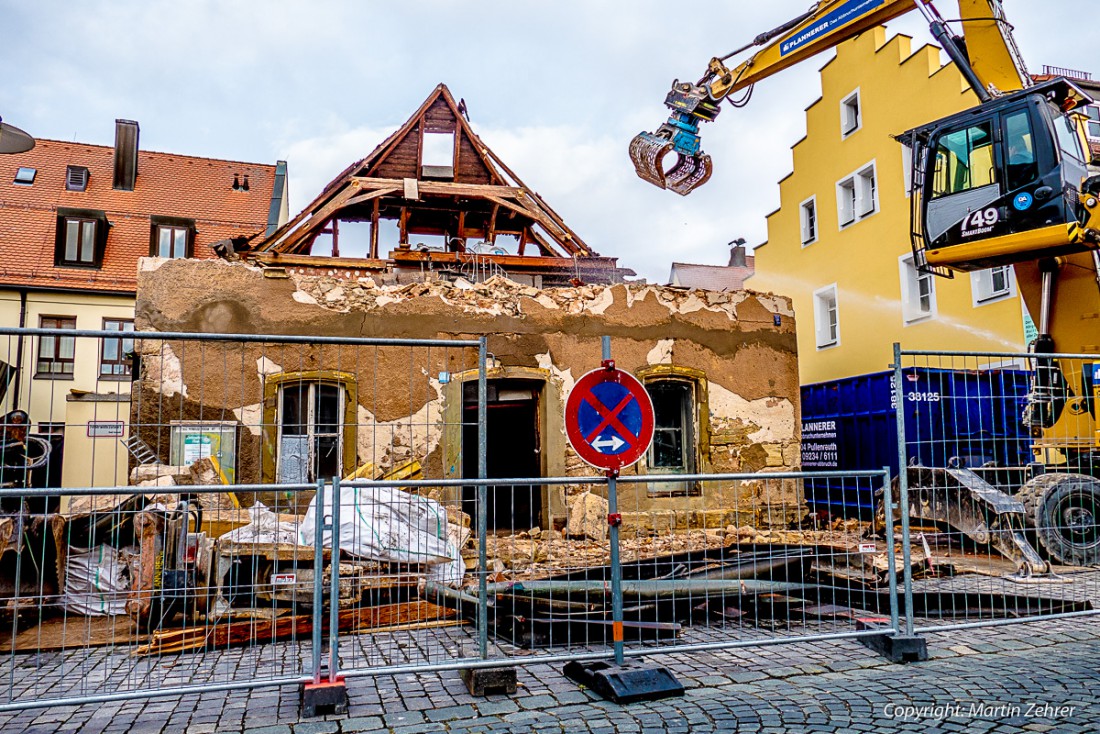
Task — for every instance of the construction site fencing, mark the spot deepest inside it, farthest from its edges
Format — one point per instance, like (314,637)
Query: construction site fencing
(1000,453)
(161,528)
(194,512)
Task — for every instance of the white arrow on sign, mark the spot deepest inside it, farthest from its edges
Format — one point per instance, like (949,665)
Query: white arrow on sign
(602,443)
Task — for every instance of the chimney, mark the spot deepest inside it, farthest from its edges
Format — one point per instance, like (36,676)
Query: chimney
(126,154)
(737,253)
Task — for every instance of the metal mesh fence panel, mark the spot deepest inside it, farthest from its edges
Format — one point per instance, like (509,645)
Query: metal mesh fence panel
(999,484)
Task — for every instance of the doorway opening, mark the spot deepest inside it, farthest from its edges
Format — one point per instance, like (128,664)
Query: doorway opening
(514,449)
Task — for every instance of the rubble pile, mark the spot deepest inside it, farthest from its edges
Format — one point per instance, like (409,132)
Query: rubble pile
(500,296)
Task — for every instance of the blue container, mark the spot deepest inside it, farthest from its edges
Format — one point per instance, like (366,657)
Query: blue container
(851,424)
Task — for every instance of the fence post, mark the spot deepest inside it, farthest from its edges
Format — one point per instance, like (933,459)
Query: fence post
(902,645)
(903,486)
(334,588)
(330,694)
(483,681)
(482,500)
(318,576)
(891,560)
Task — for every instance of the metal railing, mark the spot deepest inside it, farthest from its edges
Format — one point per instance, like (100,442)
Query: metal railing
(269,511)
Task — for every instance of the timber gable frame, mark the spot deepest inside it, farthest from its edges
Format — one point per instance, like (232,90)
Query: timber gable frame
(463,208)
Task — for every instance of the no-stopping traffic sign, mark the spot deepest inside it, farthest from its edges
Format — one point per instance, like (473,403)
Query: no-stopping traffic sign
(609,418)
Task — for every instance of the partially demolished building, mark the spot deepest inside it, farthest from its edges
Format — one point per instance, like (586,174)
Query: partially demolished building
(431,236)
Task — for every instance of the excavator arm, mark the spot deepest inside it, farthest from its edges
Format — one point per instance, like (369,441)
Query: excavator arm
(988,58)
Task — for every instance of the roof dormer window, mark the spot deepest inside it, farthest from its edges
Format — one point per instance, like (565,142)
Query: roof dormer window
(76,178)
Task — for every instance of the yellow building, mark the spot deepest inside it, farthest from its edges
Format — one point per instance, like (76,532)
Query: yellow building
(839,242)
(74,221)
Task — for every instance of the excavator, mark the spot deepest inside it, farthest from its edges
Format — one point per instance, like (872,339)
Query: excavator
(1008,182)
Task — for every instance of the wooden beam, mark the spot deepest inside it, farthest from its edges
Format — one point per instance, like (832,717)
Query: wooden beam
(314,261)
(491,229)
(533,215)
(374,230)
(415,257)
(444,188)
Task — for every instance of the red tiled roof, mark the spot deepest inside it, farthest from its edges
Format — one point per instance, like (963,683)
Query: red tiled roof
(167,185)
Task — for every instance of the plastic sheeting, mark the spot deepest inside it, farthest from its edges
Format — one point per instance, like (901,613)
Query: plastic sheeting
(387,524)
(264,527)
(96,582)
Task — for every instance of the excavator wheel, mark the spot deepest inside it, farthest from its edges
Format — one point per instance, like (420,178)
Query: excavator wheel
(1065,511)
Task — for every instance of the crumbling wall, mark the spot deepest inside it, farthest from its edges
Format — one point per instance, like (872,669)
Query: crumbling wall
(741,343)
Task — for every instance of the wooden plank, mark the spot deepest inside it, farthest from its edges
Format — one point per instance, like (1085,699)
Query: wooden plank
(247,632)
(311,261)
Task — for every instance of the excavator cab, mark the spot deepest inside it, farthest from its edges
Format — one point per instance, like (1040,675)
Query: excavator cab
(1004,182)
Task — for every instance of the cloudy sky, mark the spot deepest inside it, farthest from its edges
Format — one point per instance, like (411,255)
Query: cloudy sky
(556,88)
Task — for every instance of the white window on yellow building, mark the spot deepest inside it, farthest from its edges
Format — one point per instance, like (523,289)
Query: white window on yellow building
(1093,124)
(807,212)
(992,285)
(826,317)
(851,118)
(857,196)
(918,292)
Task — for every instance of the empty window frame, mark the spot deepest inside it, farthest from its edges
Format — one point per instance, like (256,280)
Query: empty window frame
(25,176)
(310,430)
(437,154)
(826,317)
(807,219)
(76,178)
(851,116)
(56,353)
(857,196)
(918,291)
(673,447)
(113,362)
(993,284)
(964,160)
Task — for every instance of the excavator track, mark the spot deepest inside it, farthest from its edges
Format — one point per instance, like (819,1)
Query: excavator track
(648,152)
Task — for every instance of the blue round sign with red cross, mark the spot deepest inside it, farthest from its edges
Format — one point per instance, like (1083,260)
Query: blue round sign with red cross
(609,418)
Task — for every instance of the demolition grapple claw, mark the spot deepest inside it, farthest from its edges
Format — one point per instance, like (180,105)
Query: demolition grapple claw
(690,104)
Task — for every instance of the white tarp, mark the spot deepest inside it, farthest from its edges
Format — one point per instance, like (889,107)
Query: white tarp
(96,582)
(264,527)
(386,524)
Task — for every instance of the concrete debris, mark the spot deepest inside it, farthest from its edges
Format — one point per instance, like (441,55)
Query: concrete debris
(587,517)
(500,296)
(166,481)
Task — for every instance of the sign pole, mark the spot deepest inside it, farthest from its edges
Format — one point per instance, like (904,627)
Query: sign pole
(614,520)
(609,422)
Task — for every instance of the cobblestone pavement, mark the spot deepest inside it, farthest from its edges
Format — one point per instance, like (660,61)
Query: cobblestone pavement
(1020,678)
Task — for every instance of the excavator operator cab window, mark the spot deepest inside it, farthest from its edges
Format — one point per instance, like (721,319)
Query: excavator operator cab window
(1069,140)
(1021,166)
(964,160)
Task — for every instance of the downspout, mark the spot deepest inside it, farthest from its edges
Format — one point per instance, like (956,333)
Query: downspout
(19,348)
